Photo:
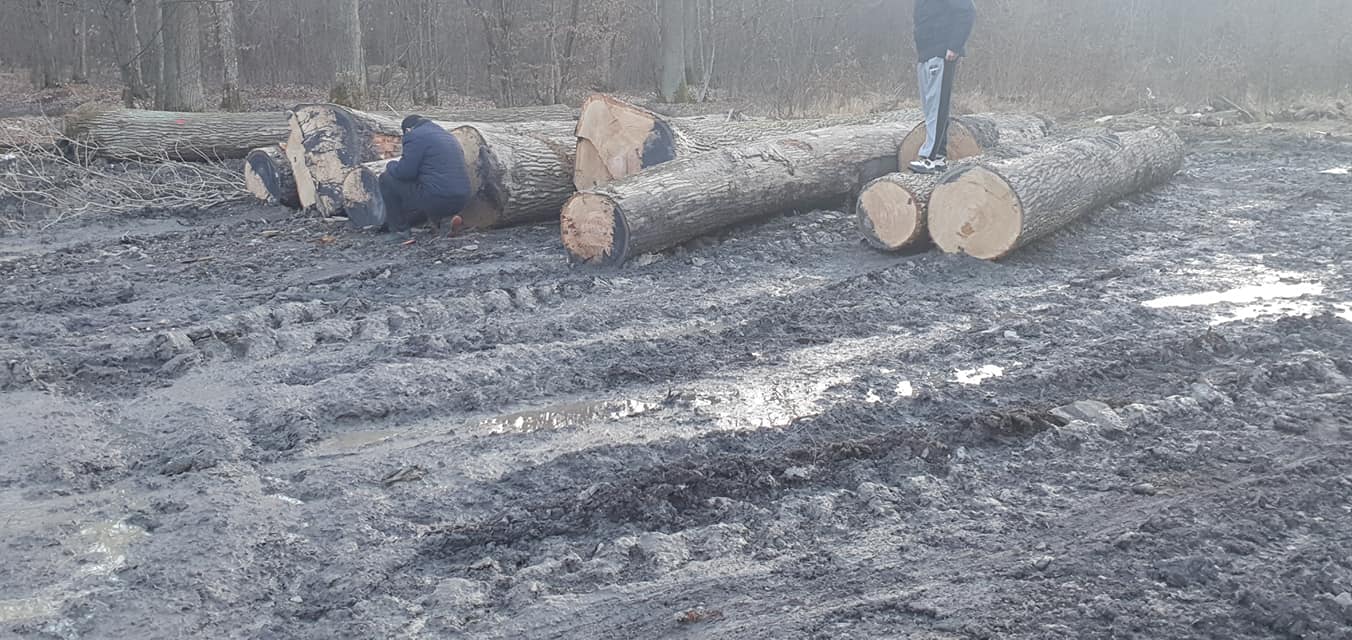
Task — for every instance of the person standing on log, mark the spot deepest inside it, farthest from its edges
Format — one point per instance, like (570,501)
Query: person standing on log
(941,31)
(430,181)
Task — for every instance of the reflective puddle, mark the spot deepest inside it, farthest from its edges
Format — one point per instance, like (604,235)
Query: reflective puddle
(564,416)
(1242,295)
(977,376)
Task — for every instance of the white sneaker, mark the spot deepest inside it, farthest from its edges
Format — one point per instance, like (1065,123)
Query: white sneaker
(929,165)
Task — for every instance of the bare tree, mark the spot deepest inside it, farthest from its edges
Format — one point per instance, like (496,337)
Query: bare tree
(224,14)
(349,82)
(181,87)
(673,85)
(46,69)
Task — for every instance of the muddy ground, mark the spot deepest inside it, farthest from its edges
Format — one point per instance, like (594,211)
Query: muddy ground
(242,424)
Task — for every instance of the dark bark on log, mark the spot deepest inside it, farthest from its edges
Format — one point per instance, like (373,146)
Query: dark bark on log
(268,176)
(134,134)
(974,135)
(991,209)
(328,141)
(695,195)
(617,139)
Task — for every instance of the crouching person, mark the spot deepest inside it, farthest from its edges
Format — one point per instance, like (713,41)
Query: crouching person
(429,183)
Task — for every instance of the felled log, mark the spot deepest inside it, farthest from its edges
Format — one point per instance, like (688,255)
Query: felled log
(617,139)
(990,209)
(156,135)
(333,140)
(698,194)
(515,178)
(891,210)
(268,176)
(974,135)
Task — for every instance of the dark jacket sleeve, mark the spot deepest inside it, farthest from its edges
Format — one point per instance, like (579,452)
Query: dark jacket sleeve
(406,167)
(961,20)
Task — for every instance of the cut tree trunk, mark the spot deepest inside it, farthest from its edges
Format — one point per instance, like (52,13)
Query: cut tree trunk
(970,136)
(699,194)
(130,133)
(991,209)
(892,210)
(617,139)
(268,175)
(328,141)
(516,178)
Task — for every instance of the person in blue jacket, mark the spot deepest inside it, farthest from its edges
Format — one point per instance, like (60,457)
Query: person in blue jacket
(429,182)
(941,31)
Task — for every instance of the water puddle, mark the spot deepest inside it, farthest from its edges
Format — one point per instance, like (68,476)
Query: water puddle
(345,443)
(1345,311)
(105,545)
(1242,295)
(100,547)
(1337,171)
(30,608)
(905,389)
(977,376)
(564,416)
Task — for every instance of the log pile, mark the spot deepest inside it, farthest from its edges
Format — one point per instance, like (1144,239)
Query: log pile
(698,194)
(327,142)
(892,209)
(975,135)
(990,209)
(618,139)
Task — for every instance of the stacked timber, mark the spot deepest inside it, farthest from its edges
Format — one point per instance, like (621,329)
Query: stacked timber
(617,139)
(696,194)
(988,210)
(327,142)
(892,209)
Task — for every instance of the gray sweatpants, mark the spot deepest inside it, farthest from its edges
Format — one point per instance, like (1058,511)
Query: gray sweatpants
(936,93)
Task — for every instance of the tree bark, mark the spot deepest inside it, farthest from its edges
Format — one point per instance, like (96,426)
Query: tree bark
(694,65)
(181,84)
(268,176)
(128,133)
(137,82)
(991,209)
(699,194)
(81,35)
(46,72)
(970,136)
(349,83)
(617,139)
(673,87)
(224,13)
(334,140)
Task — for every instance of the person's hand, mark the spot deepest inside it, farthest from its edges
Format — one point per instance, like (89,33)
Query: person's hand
(952,56)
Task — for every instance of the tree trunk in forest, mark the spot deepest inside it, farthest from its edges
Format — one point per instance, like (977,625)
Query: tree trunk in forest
(328,141)
(224,13)
(699,194)
(617,139)
(349,82)
(80,75)
(268,176)
(46,73)
(516,178)
(136,82)
(991,209)
(673,87)
(181,82)
(970,136)
(127,133)
(694,64)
